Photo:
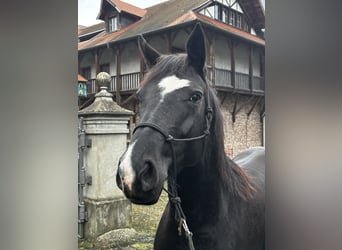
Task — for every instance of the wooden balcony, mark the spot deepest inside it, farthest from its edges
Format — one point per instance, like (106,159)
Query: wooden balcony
(129,82)
(223,81)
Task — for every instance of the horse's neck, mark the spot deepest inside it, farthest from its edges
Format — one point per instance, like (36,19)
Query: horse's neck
(199,191)
(198,198)
(204,192)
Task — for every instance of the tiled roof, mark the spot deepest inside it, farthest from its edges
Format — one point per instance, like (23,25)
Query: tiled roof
(81,78)
(230,29)
(164,16)
(128,8)
(91,29)
(255,13)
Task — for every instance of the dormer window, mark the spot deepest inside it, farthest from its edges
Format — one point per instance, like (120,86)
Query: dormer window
(232,18)
(113,23)
(227,13)
(239,21)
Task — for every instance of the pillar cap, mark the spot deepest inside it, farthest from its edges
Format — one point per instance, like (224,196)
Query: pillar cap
(103,103)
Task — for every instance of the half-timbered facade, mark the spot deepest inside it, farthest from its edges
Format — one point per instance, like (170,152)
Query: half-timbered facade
(235,49)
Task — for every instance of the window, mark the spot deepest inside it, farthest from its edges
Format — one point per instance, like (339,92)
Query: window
(113,24)
(218,12)
(232,18)
(225,14)
(239,21)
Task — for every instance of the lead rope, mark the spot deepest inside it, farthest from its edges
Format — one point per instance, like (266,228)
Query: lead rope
(176,200)
(172,182)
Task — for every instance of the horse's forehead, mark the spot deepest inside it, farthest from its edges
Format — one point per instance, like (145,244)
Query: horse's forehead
(170,84)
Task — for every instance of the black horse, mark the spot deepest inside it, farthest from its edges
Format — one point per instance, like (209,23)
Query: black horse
(180,138)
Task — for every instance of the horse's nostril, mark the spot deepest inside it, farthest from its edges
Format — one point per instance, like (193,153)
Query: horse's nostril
(148,176)
(147,169)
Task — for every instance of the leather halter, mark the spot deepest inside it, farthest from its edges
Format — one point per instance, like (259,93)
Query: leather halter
(172,172)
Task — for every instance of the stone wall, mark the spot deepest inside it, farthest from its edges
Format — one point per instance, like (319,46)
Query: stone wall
(246,131)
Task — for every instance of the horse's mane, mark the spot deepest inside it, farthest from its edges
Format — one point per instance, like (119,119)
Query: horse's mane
(166,65)
(230,174)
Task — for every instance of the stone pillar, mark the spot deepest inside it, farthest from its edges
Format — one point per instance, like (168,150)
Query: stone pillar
(106,124)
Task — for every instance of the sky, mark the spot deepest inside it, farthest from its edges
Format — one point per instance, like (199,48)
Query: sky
(89,9)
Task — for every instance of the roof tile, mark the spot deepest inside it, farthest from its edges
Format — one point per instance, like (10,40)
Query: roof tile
(128,8)
(165,15)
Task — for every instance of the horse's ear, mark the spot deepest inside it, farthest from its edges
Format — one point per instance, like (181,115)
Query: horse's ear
(196,49)
(149,54)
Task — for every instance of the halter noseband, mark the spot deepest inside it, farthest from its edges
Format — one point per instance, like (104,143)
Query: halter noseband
(172,173)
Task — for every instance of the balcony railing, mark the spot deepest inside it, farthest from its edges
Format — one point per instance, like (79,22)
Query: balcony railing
(112,87)
(130,81)
(258,83)
(223,79)
(241,81)
(91,86)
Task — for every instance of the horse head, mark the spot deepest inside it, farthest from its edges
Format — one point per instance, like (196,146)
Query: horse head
(172,101)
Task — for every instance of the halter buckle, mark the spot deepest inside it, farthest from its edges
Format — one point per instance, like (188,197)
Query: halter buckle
(169,138)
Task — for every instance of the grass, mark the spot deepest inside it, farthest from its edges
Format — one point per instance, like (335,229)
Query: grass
(145,219)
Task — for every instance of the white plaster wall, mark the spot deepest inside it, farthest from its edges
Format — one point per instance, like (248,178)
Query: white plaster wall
(222,54)
(180,39)
(108,56)
(256,62)
(159,44)
(130,61)
(242,58)
(88,60)
(112,66)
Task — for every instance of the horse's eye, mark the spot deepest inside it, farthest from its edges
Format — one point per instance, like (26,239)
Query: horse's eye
(196,97)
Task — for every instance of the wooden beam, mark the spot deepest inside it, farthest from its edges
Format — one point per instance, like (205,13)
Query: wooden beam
(210,50)
(97,68)
(231,44)
(250,64)
(80,57)
(234,111)
(173,35)
(224,98)
(131,98)
(257,100)
(262,108)
(97,62)
(118,74)
(212,59)
(168,43)
(142,67)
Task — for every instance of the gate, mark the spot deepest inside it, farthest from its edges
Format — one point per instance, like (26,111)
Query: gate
(83,179)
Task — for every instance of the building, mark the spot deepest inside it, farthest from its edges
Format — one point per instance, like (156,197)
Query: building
(235,55)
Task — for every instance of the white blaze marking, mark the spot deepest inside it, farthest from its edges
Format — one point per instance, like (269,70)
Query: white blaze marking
(126,167)
(170,84)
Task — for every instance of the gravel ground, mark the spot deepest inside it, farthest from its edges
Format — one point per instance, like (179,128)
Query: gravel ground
(145,220)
